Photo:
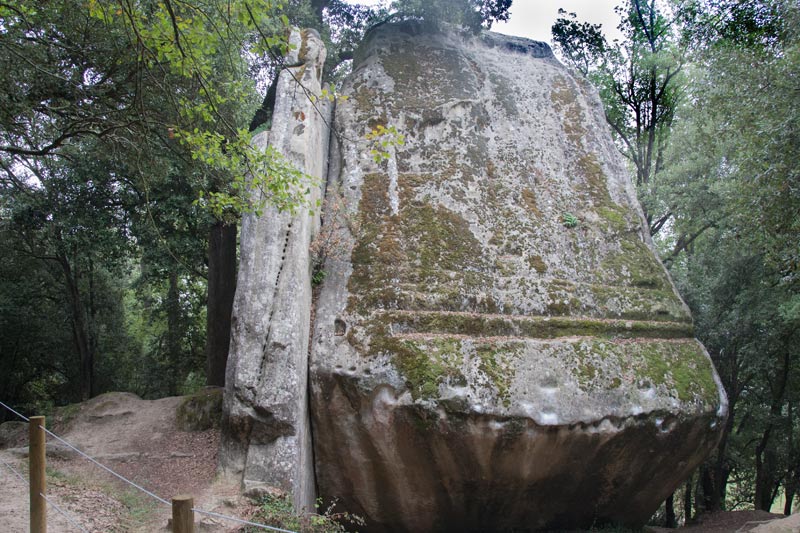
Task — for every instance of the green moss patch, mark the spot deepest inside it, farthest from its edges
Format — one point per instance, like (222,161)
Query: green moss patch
(679,367)
(200,411)
(428,363)
(635,265)
(497,364)
(529,200)
(537,263)
(424,247)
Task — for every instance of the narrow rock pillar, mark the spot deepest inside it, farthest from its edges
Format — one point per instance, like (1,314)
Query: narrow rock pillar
(266,436)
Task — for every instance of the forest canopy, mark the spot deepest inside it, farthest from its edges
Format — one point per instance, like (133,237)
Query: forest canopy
(124,146)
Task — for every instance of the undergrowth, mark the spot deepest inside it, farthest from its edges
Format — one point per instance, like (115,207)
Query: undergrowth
(277,511)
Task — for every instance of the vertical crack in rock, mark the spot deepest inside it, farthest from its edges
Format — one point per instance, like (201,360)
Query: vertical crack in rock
(266,433)
(265,349)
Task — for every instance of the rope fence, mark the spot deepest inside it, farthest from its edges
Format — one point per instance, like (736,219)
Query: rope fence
(55,506)
(25,418)
(107,469)
(15,472)
(182,506)
(64,514)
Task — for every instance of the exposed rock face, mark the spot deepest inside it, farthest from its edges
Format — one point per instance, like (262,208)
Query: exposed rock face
(266,429)
(479,361)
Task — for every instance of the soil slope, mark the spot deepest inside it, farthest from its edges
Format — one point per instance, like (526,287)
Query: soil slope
(136,438)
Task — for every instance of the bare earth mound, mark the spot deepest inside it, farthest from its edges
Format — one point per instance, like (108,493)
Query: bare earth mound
(729,522)
(136,438)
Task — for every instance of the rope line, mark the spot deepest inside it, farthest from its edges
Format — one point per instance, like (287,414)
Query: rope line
(25,418)
(126,480)
(14,470)
(64,514)
(48,500)
(104,467)
(240,521)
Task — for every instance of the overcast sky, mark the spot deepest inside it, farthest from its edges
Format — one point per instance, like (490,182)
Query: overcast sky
(533,18)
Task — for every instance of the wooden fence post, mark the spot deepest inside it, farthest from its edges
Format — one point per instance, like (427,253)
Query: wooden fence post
(182,514)
(38,479)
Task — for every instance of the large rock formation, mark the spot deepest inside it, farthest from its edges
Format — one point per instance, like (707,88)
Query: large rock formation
(479,361)
(266,437)
(496,346)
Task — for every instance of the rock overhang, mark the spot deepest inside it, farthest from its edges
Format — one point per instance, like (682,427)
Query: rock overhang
(476,321)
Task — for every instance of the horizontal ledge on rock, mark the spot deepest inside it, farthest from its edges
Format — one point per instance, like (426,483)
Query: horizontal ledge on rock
(541,340)
(410,323)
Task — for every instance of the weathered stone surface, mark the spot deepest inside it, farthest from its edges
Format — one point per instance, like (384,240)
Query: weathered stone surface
(266,435)
(480,363)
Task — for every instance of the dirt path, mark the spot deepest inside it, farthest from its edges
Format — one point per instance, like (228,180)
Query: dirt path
(139,440)
(106,512)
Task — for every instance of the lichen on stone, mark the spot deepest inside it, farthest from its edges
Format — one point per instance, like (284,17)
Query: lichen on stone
(479,330)
(679,368)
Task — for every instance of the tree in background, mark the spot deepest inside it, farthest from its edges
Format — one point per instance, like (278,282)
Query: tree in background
(125,160)
(739,272)
(73,224)
(722,196)
(155,94)
(639,82)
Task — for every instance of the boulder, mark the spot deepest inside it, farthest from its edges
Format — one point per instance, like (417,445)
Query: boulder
(496,345)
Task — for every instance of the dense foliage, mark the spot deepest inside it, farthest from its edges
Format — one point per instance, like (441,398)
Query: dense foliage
(117,117)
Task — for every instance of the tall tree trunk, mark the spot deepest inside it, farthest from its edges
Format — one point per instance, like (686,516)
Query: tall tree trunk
(719,478)
(704,500)
(80,332)
(221,290)
(174,332)
(687,501)
(669,514)
(765,479)
(765,454)
(790,484)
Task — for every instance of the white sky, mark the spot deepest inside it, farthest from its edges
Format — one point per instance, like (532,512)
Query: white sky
(533,18)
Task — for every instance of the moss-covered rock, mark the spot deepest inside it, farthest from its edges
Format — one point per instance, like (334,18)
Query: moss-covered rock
(481,360)
(200,411)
